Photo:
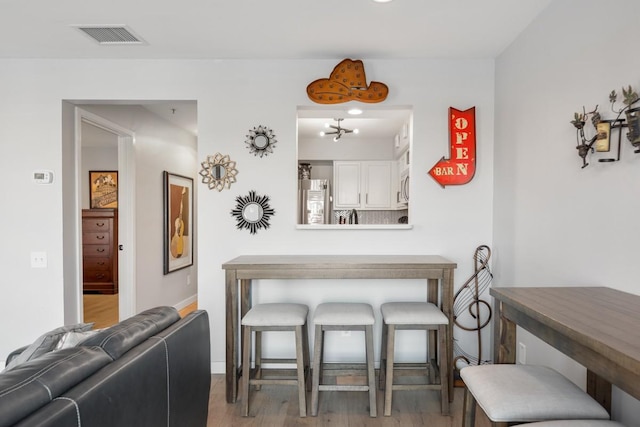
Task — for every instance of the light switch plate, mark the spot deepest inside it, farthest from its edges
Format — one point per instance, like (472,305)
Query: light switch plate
(38,260)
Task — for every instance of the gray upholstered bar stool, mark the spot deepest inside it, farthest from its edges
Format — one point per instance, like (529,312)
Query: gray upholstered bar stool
(574,423)
(522,393)
(343,317)
(275,317)
(414,316)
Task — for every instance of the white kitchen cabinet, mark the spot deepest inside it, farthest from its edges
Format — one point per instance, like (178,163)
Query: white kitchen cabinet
(364,185)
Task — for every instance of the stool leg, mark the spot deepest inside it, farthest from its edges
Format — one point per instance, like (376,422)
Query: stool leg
(444,370)
(246,369)
(302,391)
(317,366)
(433,349)
(383,357)
(257,358)
(469,409)
(368,332)
(388,390)
(307,362)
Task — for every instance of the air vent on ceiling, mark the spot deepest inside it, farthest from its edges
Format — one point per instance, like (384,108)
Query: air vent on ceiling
(110,34)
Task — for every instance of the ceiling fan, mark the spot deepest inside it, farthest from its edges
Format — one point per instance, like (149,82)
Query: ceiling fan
(338,131)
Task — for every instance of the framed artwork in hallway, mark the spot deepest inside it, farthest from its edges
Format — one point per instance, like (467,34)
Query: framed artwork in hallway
(178,222)
(103,189)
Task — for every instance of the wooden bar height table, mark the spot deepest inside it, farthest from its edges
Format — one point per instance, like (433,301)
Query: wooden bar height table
(240,271)
(597,327)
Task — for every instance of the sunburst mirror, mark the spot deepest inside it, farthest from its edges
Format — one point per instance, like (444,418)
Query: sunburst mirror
(252,212)
(260,141)
(218,171)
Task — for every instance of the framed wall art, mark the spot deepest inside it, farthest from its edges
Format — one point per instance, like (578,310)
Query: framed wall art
(178,222)
(103,189)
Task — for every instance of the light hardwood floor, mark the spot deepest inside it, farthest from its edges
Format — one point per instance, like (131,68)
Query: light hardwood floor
(103,309)
(274,406)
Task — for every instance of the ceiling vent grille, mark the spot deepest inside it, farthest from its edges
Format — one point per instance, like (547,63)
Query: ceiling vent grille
(110,34)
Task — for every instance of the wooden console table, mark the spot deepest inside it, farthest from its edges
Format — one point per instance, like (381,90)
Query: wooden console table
(240,271)
(595,326)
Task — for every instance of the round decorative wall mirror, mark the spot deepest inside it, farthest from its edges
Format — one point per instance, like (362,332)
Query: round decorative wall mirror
(261,140)
(252,212)
(218,171)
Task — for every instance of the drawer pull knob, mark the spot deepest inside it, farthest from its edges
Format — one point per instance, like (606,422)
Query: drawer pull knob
(100,224)
(100,237)
(100,276)
(100,249)
(101,263)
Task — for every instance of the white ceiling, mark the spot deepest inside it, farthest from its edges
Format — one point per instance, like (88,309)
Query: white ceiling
(274,29)
(291,29)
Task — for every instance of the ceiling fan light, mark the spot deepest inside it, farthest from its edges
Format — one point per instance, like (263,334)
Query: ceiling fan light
(327,125)
(336,138)
(322,133)
(356,131)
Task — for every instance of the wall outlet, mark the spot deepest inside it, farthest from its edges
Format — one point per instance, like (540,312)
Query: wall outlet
(522,353)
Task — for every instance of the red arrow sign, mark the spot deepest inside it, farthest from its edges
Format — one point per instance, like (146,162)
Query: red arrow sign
(461,167)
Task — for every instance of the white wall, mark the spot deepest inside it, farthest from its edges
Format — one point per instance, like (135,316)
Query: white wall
(555,223)
(233,97)
(345,149)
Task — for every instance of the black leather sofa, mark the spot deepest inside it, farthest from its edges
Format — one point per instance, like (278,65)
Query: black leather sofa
(152,369)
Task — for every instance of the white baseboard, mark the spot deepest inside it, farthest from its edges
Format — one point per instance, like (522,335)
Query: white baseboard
(182,304)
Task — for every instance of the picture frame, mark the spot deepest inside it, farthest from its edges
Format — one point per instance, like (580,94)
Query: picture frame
(178,222)
(103,189)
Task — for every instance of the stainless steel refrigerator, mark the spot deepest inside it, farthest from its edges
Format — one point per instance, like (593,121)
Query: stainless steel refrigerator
(314,201)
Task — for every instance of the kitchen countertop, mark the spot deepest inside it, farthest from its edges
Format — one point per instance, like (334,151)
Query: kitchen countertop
(354,227)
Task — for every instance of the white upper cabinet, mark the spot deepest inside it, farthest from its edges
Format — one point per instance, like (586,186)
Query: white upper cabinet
(347,186)
(365,185)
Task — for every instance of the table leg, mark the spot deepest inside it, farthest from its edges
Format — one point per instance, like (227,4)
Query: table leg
(245,306)
(432,297)
(599,389)
(231,319)
(504,337)
(447,309)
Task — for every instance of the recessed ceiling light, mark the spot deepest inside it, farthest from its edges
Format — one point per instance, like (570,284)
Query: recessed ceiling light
(355,111)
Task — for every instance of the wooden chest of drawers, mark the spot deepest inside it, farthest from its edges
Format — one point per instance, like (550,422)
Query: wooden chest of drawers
(100,250)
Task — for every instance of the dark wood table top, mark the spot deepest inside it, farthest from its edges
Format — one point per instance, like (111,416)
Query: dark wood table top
(602,319)
(338,261)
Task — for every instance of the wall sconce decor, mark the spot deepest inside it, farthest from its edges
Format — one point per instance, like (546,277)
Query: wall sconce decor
(348,82)
(218,171)
(601,140)
(260,141)
(252,212)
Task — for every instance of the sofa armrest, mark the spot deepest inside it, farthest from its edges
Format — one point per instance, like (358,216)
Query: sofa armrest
(15,353)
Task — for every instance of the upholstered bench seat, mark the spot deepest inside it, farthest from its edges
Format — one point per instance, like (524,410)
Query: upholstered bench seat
(574,423)
(519,393)
(422,316)
(343,317)
(275,317)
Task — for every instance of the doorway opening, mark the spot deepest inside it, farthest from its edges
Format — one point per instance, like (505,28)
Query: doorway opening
(126,136)
(105,156)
